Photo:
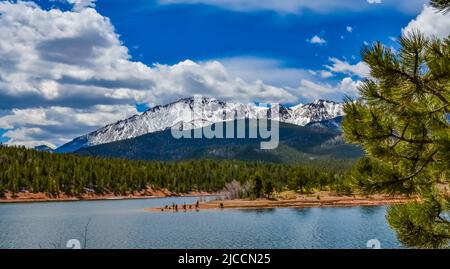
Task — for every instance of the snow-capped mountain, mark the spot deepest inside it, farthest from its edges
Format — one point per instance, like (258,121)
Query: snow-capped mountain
(184,114)
(44,148)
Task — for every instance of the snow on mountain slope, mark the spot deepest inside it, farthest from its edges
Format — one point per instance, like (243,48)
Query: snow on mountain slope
(181,113)
(44,148)
(319,110)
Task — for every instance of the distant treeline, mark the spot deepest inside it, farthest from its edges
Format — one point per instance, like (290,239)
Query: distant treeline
(25,169)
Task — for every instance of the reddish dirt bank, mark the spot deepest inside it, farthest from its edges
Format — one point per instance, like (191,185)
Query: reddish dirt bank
(301,201)
(26,197)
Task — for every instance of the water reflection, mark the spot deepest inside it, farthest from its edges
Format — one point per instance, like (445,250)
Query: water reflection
(302,211)
(369,210)
(257,211)
(124,224)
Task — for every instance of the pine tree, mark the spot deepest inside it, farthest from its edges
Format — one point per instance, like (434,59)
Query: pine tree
(257,185)
(268,188)
(298,179)
(2,192)
(73,175)
(401,120)
(422,224)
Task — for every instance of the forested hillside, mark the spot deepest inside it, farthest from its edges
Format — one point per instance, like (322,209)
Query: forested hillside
(25,169)
(297,145)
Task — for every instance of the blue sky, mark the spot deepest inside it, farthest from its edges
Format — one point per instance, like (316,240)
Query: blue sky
(172,33)
(3,139)
(72,66)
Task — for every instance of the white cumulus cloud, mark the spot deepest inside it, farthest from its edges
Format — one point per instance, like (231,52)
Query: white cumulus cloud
(56,58)
(431,23)
(271,71)
(316,90)
(66,73)
(62,71)
(316,40)
(359,69)
(82,4)
(57,125)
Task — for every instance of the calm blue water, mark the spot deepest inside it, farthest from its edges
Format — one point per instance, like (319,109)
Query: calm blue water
(123,224)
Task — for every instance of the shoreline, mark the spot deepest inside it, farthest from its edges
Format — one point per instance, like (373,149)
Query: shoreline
(298,202)
(327,199)
(45,198)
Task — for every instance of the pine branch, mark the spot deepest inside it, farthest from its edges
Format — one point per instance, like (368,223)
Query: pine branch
(419,82)
(402,127)
(438,95)
(413,141)
(430,158)
(442,5)
(379,57)
(416,63)
(444,107)
(402,138)
(402,135)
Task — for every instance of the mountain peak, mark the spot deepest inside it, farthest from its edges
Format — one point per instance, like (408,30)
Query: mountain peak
(44,148)
(182,113)
(323,101)
(186,100)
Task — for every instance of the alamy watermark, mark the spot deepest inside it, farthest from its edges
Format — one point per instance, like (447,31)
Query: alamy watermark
(263,125)
(73,244)
(373,244)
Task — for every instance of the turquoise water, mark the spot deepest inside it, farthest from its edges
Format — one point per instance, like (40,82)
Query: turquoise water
(123,224)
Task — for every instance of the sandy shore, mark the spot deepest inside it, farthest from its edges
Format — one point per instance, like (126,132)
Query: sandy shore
(301,201)
(27,197)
